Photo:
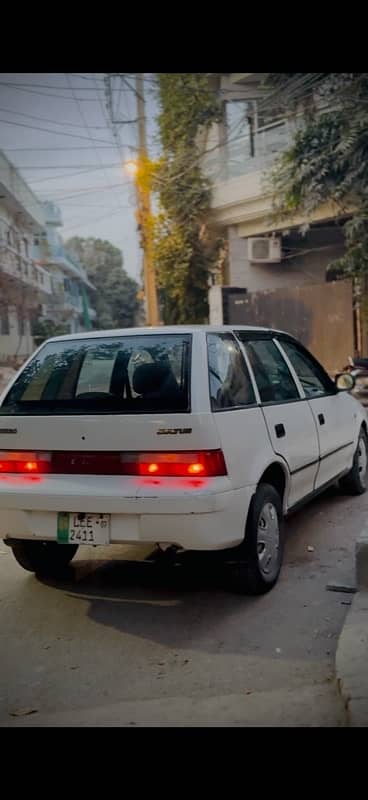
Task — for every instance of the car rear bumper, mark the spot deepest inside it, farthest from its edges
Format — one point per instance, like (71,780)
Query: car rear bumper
(204,517)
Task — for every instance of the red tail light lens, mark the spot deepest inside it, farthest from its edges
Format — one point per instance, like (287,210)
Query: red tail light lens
(203,463)
(25,463)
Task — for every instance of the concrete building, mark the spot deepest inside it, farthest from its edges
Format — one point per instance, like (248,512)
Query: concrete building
(241,150)
(23,284)
(39,279)
(71,302)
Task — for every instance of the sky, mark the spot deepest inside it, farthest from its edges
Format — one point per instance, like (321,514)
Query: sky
(55,128)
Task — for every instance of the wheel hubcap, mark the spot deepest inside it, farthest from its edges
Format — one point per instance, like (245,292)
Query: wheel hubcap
(268,541)
(362,460)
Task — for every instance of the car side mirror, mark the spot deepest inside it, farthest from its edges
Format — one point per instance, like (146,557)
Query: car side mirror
(344,381)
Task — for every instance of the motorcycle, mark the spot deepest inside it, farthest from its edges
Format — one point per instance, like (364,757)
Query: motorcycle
(358,368)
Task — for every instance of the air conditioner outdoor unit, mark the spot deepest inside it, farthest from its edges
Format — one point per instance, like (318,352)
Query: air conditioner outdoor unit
(264,250)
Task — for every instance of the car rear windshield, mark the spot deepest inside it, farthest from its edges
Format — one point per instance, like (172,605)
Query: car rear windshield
(122,375)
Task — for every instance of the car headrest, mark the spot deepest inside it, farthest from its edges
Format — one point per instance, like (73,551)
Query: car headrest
(150,377)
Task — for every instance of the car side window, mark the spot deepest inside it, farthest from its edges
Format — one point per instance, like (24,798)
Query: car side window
(312,376)
(273,377)
(229,380)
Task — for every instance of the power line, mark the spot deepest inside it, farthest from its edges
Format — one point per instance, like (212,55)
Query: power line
(47,119)
(67,176)
(66,166)
(59,147)
(92,221)
(91,205)
(91,190)
(83,118)
(47,130)
(76,75)
(44,94)
(47,86)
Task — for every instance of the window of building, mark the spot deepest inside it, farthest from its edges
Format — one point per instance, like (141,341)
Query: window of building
(229,380)
(238,114)
(4,322)
(21,325)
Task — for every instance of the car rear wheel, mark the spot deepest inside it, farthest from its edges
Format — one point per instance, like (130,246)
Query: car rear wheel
(261,554)
(355,482)
(46,558)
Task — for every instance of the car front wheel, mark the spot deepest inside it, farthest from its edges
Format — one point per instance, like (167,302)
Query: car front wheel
(43,558)
(261,554)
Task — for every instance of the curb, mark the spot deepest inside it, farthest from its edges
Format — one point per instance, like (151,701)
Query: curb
(352,650)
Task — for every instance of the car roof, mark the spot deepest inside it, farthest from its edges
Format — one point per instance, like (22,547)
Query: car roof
(161,329)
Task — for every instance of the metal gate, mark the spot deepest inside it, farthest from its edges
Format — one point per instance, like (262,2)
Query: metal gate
(319,315)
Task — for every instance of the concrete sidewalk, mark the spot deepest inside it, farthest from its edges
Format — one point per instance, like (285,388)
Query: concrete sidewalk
(352,650)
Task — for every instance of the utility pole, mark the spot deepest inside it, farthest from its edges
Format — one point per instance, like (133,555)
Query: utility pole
(144,211)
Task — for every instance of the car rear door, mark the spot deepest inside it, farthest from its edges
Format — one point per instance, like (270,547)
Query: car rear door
(288,417)
(236,412)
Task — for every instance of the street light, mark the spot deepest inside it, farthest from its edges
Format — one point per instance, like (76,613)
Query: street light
(131,168)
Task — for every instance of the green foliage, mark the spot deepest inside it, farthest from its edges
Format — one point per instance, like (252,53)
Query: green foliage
(328,158)
(44,329)
(185,247)
(115,301)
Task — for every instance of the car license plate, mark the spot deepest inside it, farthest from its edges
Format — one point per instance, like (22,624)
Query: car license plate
(83,528)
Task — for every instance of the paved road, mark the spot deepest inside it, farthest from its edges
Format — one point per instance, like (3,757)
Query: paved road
(115,644)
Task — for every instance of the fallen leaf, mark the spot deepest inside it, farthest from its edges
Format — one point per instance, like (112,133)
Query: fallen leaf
(23,712)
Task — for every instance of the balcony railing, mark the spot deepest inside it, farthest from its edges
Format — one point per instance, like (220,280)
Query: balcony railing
(23,269)
(67,262)
(71,300)
(14,184)
(246,155)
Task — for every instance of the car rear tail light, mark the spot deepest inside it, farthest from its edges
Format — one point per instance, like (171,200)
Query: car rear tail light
(25,463)
(202,463)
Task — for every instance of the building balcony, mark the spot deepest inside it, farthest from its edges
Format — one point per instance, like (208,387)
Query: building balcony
(73,302)
(246,155)
(241,192)
(18,197)
(68,265)
(24,269)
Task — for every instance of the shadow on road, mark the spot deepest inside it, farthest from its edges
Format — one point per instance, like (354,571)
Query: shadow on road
(193,602)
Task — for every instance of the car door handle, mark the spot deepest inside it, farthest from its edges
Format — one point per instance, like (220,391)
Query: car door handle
(280,431)
(321,419)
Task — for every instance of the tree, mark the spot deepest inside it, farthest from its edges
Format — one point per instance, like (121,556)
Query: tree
(186,248)
(43,329)
(328,158)
(116,300)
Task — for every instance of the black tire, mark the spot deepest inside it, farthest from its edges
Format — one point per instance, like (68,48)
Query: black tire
(355,482)
(250,574)
(43,558)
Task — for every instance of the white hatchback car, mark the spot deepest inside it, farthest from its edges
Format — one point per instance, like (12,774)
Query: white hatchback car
(198,437)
